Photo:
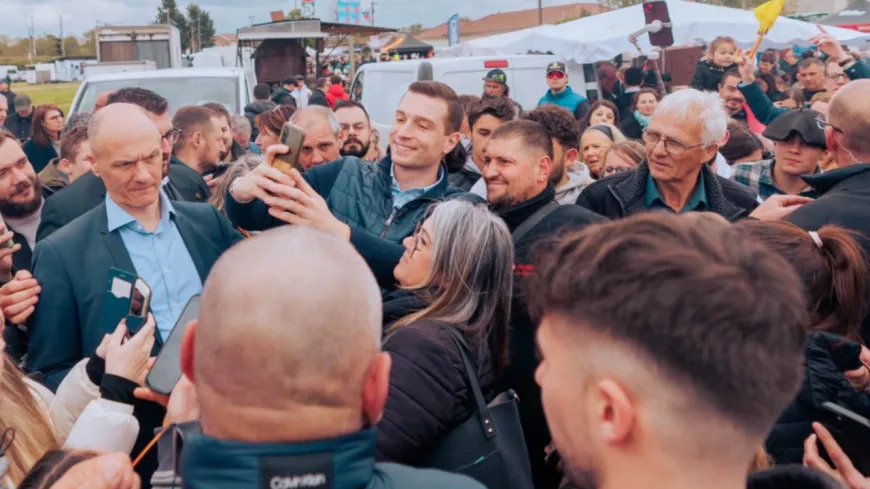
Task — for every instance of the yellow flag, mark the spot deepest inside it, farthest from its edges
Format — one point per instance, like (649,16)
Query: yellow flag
(766,13)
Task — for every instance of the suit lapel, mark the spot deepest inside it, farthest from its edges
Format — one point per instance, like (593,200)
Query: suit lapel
(120,256)
(195,245)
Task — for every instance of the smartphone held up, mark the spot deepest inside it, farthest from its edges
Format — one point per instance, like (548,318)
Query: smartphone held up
(292,136)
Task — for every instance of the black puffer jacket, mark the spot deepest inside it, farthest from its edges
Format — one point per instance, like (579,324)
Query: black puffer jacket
(429,391)
(827,356)
(790,477)
(253,109)
(708,76)
(400,303)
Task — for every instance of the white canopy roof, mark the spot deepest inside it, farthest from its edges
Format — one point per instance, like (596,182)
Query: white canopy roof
(604,36)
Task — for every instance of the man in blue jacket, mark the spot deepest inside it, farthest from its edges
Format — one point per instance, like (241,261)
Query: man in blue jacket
(561,94)
(373,205)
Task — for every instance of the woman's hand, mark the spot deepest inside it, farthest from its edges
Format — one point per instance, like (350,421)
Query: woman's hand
(130,359)
(845,472)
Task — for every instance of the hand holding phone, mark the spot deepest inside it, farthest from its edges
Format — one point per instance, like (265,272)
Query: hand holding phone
(127,356)
(292,136)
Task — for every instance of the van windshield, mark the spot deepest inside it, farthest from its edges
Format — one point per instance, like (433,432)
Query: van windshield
(178,91)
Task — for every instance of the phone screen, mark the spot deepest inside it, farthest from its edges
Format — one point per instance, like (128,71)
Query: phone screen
(166,370)
(140,299)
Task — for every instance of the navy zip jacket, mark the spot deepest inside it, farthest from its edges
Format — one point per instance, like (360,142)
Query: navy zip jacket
(359,194)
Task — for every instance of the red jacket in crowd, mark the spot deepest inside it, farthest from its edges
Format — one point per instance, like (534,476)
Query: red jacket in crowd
(336,93)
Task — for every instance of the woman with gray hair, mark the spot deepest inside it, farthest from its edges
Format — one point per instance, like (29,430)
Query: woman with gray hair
(456,273)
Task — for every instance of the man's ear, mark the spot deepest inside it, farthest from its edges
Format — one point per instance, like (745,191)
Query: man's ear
(545,168)
(376,388)
(63,165)
(571,156)
(451,143)
(710,153)
(616,413)
(187,345)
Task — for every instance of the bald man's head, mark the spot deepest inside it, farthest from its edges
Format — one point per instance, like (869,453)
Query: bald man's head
(128,155)
(289,319)
(849,112)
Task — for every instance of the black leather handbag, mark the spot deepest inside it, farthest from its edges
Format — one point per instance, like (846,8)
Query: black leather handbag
(489,447)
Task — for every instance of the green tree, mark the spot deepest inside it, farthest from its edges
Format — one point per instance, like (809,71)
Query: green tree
(168,13)
(71,46)
(201,26)
(295,14)
(415,28)
(89,46)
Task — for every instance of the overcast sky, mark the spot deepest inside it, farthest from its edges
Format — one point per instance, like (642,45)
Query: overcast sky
(81,15)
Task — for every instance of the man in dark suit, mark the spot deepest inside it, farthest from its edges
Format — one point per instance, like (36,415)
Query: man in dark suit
(172,246)
(180,182)
(137,228)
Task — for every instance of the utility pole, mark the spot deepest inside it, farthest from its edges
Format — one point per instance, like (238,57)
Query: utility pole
(373,12)
(32,53)
(540,13)
(62,49)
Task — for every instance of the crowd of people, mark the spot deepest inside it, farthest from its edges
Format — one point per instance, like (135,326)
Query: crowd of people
(649,289)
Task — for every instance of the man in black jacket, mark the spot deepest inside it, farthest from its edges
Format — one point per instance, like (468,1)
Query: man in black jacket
(260,104)
(20,119)
(374,205)
(683,134)
(844,193)
(283,94)
(318,95)
(180,182)
(519,159)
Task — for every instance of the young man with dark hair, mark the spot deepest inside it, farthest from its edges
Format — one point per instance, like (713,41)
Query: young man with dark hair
(301,93)
(569,176)
(767,63)
(732,97)
(232,150)
(356,128)
(641,381)
(284,94)
(374,205)
(260,104)
(519,160)
(318,96)
(180,182)
(200,143)
(74,161)
(484,117)
(633,84)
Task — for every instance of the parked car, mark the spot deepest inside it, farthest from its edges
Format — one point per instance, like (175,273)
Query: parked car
(180,86)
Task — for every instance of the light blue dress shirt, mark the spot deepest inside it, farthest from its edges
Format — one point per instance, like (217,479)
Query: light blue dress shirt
(401,198)
(161,259)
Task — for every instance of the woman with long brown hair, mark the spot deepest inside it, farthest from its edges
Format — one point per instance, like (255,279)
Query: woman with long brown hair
(44,143)
(456,274)
(832,267)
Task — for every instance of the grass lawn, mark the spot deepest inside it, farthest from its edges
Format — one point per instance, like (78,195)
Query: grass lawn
(60,94)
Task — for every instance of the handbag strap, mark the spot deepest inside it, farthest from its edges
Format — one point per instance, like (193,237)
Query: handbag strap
(533,220)
(471,372)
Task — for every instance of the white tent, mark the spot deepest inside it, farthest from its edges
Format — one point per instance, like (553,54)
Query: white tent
(604,36)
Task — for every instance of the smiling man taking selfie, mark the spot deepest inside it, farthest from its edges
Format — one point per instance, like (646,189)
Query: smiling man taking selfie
(374,205)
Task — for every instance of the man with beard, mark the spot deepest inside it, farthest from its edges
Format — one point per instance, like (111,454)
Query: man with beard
(21,199)
(729,90)
(356,128)
(519,161)
(200,144)
(645,385)
(322,142)
(180,182)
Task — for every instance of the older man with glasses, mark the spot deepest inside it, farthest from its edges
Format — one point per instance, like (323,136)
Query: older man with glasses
(683,135)
(180,182)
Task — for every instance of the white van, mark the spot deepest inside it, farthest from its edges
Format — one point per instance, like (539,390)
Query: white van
(380,86)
